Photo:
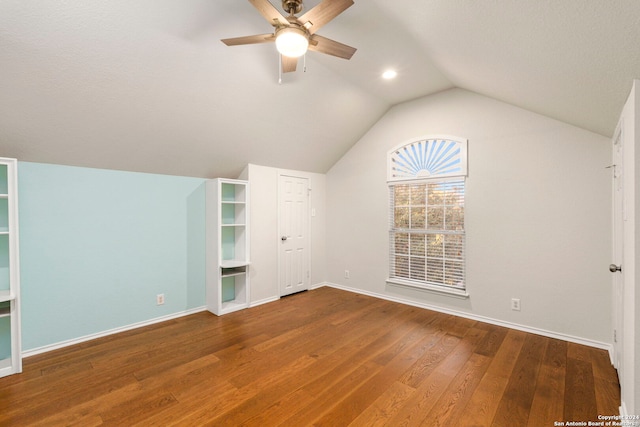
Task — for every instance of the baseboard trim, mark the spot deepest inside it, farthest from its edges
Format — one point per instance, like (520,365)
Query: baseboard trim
(516,326)
(90,337)
(319,285)
(524,328)
(624,414)
(263,301)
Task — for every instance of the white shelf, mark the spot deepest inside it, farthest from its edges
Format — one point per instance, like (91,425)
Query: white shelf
(231,306)
(6,367)
(5,364)
(10,294)
(227,216)
(233,271)
(6,296)
(234,263)
(240,273)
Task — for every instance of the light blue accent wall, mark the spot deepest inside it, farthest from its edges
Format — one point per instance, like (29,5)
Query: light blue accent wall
(5,335)
(4,262)
(4,183)
(97,246)
(228,288)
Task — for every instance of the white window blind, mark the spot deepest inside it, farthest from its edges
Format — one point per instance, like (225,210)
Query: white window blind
(426,179)
(427,236)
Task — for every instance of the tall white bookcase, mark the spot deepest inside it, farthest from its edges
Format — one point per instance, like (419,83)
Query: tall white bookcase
(10,346)
(227,245)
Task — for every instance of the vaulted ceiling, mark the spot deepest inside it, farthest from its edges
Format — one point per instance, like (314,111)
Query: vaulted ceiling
(146,85)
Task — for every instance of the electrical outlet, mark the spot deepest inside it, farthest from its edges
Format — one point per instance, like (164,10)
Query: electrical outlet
(515,304)
(160,299)
(346,274)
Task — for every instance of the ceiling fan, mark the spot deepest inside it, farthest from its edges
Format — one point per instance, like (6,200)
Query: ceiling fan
(293,34)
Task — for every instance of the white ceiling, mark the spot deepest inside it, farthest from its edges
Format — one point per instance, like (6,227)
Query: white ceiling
(146,85)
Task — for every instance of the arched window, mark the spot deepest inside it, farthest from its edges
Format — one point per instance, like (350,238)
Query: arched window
(426,180)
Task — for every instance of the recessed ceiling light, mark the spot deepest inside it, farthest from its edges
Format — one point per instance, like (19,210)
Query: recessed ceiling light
(389,74)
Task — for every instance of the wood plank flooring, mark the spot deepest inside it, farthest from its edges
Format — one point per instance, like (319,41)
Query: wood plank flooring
(324,357)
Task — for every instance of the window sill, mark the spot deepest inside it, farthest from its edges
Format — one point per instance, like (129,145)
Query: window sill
(454,292)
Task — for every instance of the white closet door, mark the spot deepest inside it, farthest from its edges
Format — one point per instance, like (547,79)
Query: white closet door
(293,231)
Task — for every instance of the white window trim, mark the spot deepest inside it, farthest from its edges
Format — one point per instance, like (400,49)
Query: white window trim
(394,179)
(438,289)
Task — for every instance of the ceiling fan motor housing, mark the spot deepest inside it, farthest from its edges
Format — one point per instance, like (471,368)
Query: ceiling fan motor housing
(292,6)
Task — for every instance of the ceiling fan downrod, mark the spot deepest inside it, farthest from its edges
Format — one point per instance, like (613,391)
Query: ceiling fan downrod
(292,7)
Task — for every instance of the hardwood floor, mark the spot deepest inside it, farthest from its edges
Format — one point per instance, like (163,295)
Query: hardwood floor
(324,357)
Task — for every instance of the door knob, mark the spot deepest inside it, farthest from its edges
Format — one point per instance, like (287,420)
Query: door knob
(613,268)
(283,238)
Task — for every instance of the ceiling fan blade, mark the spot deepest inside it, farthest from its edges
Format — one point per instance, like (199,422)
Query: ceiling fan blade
(288,64)
(258,38)
(320,15)
(331,47)
(269,12)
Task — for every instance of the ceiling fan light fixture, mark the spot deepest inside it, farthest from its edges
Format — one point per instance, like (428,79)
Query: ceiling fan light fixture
(292,42)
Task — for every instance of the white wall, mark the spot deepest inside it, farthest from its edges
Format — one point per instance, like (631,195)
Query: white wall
(538,221)
(264,229)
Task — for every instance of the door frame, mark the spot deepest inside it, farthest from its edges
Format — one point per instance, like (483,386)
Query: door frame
(309,216)
(629,364)
(618,226)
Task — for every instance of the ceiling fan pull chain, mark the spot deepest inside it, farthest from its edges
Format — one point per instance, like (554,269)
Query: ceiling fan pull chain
(280,69)
(304,63)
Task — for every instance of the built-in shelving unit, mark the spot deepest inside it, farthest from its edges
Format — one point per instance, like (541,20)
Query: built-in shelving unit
(10,347)
(227,239)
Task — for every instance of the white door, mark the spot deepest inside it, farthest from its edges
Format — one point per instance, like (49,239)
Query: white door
(293,232)
(618,232)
